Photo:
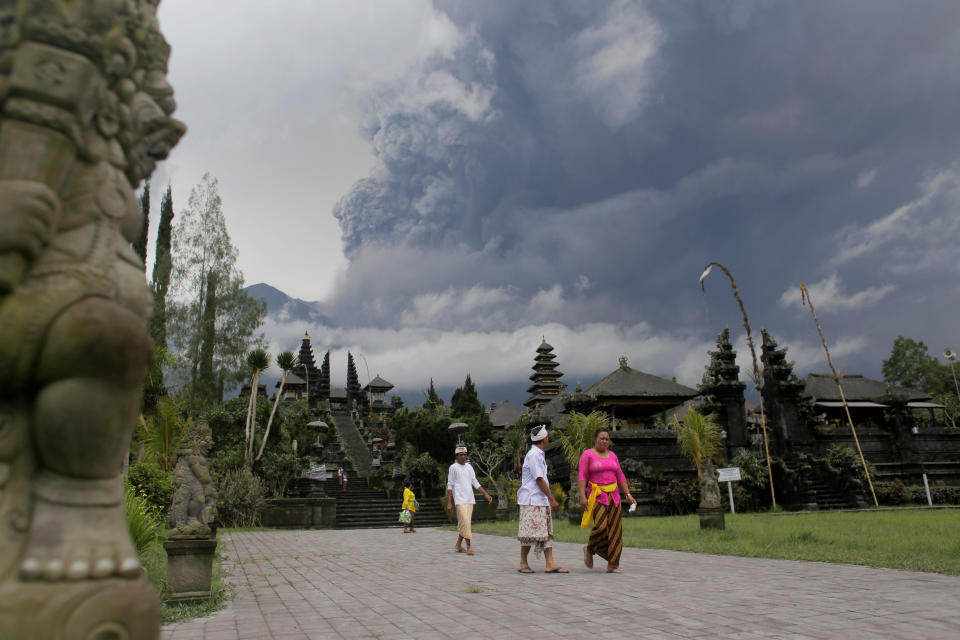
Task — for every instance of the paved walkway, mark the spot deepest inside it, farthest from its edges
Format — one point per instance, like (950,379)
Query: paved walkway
(384,584)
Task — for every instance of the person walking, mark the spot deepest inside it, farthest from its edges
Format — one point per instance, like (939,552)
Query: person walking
(461,481)
(409,504)
(340,476)
(599,469)
(537,504)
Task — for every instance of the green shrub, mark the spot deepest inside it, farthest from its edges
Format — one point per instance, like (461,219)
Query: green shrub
(560,495)
(939,495)
(240,499)
(680,497)
(752,492)
(892,493)
(279,470)
(154,483)
(143,519)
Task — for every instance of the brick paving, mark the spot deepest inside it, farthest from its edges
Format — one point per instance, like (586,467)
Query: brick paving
(380,583)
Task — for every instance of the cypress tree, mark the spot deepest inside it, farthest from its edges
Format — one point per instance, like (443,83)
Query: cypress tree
(140,246)
(162,266)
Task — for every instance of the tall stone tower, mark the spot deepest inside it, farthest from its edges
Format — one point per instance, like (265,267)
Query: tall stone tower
(308,369)
(782,395)
(724,391)
(323,386)
(545,377)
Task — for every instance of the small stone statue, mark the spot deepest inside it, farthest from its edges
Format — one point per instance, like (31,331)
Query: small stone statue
(84,116)
(709,487)
(194,494)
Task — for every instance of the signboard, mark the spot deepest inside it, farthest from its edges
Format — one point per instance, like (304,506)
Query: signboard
(728,474)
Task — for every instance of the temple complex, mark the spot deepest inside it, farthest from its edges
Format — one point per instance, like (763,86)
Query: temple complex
(376,391)
(546,379)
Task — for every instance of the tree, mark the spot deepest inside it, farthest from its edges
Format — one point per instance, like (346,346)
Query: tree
(257,361)
(699,438)
(576,437)
(160,434)
(909,365)
(162,265)
(201,248)
(433,399)
(286,361)
(488,457)
(206,381)
(465,402)
(140,246)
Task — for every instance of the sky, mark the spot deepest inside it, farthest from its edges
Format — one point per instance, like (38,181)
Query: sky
(454,181)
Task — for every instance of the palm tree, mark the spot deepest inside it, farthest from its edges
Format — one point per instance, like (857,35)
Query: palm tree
(577,436)
(286,361)
(160,433)
(699,437)
(257,360)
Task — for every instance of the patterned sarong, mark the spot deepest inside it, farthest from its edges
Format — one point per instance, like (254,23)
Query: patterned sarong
(464,518)
(606,538)
(536,528)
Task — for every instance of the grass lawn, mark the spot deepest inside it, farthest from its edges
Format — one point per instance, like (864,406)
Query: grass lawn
(909,539)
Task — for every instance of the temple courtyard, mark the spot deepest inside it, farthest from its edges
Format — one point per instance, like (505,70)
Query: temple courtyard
(379,583)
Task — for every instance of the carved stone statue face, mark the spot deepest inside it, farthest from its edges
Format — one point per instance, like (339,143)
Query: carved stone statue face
(154,134)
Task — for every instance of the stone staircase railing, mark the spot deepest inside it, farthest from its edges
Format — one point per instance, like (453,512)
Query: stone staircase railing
(354,445)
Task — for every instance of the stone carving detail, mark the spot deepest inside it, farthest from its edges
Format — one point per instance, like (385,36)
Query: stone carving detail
(84,116)
(709,487)
(724,392)
(194,494)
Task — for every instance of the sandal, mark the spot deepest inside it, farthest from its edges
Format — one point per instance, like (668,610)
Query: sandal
(526,570)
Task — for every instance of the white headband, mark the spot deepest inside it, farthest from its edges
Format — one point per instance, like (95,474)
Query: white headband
(460,449)
(539,433)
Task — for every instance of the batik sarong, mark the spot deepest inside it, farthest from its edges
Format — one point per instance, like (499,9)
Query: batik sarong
(464,518)
(536,528)
(606,538)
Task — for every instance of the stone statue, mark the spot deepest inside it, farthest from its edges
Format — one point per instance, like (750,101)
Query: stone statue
(194,495)
(709,487)
(84,115)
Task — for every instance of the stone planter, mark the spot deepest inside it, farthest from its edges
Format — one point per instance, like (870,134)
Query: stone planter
(189,568)
(711,517)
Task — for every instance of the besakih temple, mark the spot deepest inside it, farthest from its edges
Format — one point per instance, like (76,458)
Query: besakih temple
(546,379)
(634,399)
(294,388)
(901,432)
(503,415)
(867,399)
(376,391)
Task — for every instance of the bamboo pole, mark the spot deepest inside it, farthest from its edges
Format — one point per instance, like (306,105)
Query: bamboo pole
(805,299)
(756,368)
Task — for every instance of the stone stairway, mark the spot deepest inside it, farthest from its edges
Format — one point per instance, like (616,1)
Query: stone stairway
(354,445)
(821,493)
(360,507)
(826,496)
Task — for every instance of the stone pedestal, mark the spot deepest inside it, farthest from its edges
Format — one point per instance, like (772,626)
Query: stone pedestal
(711,517)
(189,568)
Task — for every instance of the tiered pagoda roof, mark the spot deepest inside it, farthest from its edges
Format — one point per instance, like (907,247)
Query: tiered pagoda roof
(307,369)
(546,379)
(323,386)
(378,385)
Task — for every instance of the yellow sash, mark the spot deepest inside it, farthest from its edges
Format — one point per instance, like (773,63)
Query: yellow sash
(587,519)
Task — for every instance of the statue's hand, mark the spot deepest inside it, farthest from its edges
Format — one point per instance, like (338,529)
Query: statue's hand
(28,215)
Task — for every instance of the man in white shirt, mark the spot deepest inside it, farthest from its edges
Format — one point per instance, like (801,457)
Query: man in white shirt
(536,505)
(461,481)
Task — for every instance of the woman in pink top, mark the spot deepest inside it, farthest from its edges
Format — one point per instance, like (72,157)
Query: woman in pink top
(600,473)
